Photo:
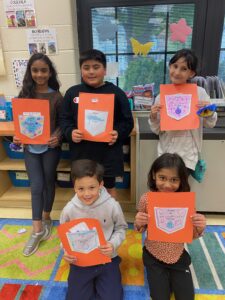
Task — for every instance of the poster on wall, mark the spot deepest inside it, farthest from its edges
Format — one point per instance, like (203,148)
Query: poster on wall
(2,65)
(19,68)
(20,13)
(42,40)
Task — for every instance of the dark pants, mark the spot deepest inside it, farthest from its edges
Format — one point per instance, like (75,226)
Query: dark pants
(41,170)
(109,182)
(164,279)
(101,282)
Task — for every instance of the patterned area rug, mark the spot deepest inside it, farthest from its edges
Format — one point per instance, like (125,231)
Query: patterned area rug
(43,275)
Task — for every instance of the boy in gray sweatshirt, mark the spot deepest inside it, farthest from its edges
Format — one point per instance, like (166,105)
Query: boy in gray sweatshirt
(93,201)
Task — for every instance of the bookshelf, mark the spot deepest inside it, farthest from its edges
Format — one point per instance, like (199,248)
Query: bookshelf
(16,201)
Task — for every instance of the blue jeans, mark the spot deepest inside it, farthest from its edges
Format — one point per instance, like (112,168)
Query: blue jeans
(41,170)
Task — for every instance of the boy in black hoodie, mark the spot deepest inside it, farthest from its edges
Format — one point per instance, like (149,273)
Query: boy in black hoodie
(110,155)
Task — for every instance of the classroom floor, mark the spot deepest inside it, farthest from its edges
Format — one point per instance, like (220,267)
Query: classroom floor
(212,219)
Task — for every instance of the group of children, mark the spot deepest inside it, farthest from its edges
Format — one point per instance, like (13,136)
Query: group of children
(94,168)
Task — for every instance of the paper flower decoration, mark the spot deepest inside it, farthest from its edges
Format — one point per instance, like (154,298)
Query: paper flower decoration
(140,49)
(180,31)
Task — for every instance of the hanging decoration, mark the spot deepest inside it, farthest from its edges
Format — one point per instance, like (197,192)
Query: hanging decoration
(140,49)
(107,30)
(180,31)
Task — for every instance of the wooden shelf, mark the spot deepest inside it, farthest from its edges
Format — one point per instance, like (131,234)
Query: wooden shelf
(7,128)
(19,165)
(20,197)
(25,213)
(126,167)
(15,202)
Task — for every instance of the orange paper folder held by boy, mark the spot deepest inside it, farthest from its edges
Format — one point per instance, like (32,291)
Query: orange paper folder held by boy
(179,106)
(81,238)
(95,116)
(31,120)
(170,216)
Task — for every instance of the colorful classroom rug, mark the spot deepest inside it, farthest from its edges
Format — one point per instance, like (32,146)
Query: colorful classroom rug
(43,275)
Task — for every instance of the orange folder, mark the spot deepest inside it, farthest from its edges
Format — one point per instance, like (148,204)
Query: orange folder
(170,216)
(95,257)
(36,130)
(91,109)
(183,117)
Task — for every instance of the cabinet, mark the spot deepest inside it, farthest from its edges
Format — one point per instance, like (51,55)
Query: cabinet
(209,193)
(16,201)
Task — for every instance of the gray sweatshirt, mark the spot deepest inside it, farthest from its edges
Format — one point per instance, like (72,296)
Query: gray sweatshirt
(106,209)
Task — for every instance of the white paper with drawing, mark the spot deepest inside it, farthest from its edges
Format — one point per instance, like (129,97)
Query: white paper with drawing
(178,106)
(31,124)
(82,239)
(170,219)
(95,121)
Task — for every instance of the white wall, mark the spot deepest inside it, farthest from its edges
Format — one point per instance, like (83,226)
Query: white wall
(58,14)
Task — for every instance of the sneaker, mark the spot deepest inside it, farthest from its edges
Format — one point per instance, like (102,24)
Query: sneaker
(33,242)
(47,224)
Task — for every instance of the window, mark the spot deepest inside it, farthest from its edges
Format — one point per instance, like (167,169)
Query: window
(136,35)
(137,38)
(221,70)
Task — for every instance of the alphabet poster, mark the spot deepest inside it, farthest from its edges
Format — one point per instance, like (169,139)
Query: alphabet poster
(170,216)
(179,106)
(95,116)
(81,238)
(32,120)
(19,68)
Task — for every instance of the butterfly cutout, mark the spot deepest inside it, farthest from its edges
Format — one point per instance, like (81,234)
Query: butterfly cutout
(140,49)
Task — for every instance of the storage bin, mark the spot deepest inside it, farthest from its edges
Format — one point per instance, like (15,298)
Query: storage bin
(65,153)
(19,154)
(123,182)
(19,178)
(64,180)
(6,112)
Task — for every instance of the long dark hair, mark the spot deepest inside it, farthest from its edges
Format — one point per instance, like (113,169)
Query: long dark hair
(28,89)
(169,161)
